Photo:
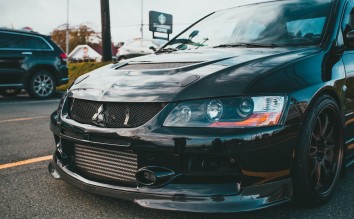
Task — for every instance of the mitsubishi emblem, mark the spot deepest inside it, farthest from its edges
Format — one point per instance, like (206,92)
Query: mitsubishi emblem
(162,19)
(99,117)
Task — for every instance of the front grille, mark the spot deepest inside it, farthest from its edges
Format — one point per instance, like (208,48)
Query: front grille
(106,164)
(155,66)
(116,115)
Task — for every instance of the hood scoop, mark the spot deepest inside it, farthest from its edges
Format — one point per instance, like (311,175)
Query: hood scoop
(155,66)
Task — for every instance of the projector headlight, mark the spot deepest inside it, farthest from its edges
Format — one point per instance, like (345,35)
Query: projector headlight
(228,112)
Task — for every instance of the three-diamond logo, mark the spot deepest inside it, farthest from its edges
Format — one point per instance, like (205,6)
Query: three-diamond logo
(99,118)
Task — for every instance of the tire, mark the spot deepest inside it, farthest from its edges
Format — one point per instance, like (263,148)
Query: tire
(42,85)
(319,153)
(11,92)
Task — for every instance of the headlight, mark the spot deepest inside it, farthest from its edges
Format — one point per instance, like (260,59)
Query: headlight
(227,112)
(214,110)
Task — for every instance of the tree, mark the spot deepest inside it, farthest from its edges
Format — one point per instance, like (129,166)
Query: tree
(79,35)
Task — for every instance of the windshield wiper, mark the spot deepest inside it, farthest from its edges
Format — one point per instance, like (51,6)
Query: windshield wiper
(248,45)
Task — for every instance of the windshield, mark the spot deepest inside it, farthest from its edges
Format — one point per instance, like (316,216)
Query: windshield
(281,23)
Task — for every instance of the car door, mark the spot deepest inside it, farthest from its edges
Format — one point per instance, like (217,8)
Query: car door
(12,55)
(348,61)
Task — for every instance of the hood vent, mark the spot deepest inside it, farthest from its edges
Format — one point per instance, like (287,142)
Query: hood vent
(155,66)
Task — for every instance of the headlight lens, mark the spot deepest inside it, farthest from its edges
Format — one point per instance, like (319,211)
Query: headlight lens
(228,112)
(185,114)
(214,110)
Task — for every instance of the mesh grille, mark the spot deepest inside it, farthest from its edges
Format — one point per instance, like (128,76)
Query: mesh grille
(106,164)
(150,66)
(116,115)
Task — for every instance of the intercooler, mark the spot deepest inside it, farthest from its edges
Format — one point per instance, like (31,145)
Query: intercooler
(107,164)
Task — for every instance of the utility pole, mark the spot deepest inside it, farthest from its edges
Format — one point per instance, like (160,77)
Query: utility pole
(142,20)
(106,31)
(67,28)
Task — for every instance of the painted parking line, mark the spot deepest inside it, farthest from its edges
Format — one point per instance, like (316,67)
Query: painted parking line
(25,162)
(23,119)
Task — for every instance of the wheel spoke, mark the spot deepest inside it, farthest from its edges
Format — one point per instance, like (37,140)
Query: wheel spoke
(325,125)
(329,135)
(315,137)
(313,151)
(329,146)
(318,175)
(315,167)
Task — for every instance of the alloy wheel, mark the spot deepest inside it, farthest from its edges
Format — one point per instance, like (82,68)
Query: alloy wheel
(43,85)
(324,153)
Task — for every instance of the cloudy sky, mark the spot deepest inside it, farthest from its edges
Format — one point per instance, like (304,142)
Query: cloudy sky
(45,15)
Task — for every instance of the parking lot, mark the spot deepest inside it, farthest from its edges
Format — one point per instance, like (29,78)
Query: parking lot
(28,191)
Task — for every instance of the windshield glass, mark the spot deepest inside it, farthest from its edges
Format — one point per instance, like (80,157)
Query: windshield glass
(282,23)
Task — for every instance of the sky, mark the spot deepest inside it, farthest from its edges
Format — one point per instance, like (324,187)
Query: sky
(45,15)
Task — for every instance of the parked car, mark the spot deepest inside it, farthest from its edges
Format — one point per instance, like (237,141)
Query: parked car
(251,108)
(30,61)
(139,47)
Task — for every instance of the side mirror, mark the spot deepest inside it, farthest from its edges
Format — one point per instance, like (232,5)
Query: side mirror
(193,34)
(152,48)
(350,36)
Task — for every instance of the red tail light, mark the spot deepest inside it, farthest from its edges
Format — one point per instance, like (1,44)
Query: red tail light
(63,56)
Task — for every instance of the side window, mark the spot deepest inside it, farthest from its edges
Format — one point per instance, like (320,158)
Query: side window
(36,43)
(4,40)
(348,24)
(18,41)
(12,41)
(306,27)
(348,19)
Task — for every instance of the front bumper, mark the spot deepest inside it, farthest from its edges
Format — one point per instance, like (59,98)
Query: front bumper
(251,198)
(63,81)
(264,157)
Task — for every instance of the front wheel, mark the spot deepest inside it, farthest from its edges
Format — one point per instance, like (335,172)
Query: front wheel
(42,85)
(319,153)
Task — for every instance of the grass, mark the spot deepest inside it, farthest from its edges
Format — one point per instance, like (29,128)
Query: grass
(78,69)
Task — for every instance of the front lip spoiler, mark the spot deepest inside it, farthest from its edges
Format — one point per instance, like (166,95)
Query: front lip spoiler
(251,198)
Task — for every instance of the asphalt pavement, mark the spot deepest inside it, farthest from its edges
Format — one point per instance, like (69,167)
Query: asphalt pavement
(28,191)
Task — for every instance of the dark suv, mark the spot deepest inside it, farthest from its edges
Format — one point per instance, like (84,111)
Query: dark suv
(30,61)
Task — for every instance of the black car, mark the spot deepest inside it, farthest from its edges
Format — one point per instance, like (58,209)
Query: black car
(30,61)
(253,106)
